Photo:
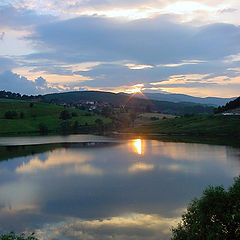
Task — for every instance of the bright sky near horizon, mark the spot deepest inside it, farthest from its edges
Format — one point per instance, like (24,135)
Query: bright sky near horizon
(190,47)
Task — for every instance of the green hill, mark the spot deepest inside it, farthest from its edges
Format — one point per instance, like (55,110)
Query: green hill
(205,124)
(23,117)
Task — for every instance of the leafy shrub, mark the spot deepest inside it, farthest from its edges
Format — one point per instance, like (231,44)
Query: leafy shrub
(64,115)
(74,114)
(21,115)
(65,126)
(11,114)
(215,216)
(76,125)
(43,129)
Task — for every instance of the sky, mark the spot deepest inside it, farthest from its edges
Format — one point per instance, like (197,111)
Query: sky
(168,46)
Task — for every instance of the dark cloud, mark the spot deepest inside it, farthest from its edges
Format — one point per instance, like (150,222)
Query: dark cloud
(6,64)
(113,75)
(21,17)
(148,41)
(10,81)
(41,82)
(156,41)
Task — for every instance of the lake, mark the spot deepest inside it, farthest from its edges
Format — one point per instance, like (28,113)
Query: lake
(91,187)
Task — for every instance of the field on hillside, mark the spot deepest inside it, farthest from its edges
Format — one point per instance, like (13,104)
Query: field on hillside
(194,125)
(145,118)
(29,117)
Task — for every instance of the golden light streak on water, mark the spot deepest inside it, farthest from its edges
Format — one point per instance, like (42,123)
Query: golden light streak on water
(138,146)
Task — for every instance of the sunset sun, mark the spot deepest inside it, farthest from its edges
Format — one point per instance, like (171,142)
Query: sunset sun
(135,89)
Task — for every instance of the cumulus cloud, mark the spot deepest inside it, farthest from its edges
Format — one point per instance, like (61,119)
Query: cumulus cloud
(148,41)
(76,7)
(6,64)
(16,18)
(113,75)
(128,52)
(13,82)
(133,226)
(41,82)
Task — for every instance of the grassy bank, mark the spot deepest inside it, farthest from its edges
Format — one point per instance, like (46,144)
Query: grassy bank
(31,116)
(206,125)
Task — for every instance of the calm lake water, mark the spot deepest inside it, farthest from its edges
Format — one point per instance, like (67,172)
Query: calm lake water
(135,189)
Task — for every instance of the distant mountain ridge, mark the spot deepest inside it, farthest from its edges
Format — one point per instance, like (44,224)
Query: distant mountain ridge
(131,101)
(173,97)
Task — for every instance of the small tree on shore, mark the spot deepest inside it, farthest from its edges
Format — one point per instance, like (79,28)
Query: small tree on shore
(43,129)
(99,124)
(215,216)
(11,115)
(21,115)
(64,115)
(75,126)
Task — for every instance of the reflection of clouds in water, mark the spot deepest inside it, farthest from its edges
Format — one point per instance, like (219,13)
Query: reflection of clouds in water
(18,196)
(102,183)
(57,159)
(43,156)
(85,169)
(189,151)
(140,167)
(132,226)
(190,168)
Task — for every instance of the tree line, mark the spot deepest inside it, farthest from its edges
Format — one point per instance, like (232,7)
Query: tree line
(229,106)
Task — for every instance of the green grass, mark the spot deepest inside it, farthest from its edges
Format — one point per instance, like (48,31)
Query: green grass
(47,114)
(211,125)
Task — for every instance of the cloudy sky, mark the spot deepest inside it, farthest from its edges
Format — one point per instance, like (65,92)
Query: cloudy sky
(190,46)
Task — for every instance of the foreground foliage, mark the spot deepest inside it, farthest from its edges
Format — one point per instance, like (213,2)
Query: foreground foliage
(13,236)
(215,216)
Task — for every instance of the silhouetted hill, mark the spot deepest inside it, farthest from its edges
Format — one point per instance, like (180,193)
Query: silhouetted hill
(128,101)
(229,106)
(214,101)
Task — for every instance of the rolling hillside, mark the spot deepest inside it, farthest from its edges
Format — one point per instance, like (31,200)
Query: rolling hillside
(205,125)
(129,101)
(30,116)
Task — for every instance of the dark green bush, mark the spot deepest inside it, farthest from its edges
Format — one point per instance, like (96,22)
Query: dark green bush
(74,114)
(64,115)
(215,216)
(11,115)
(43,129)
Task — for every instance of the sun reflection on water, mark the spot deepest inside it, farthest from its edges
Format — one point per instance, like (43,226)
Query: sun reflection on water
(138,146)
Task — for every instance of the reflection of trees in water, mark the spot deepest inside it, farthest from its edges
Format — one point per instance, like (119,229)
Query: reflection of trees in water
(8,152)
(234,154)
